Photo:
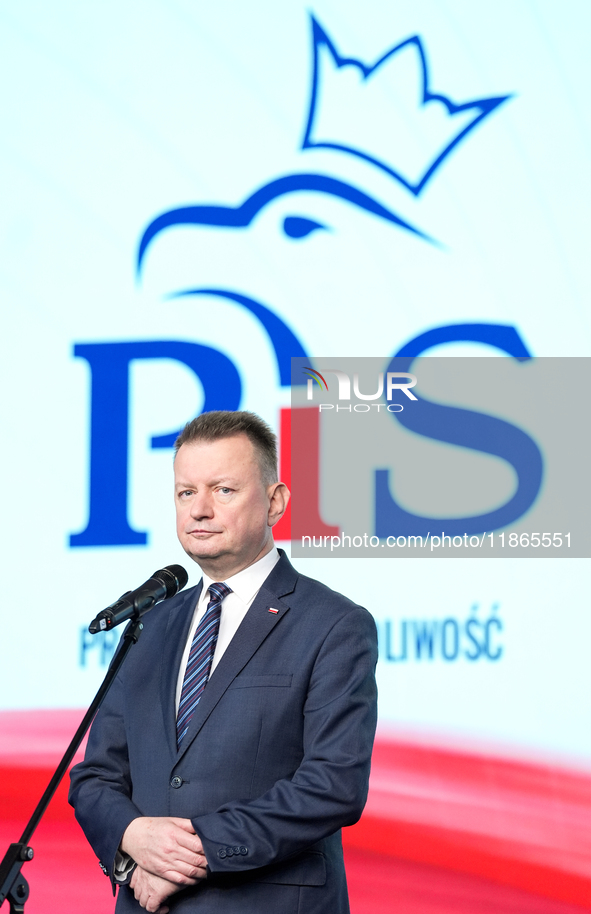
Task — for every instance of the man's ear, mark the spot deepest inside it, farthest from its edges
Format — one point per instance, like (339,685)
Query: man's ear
(279,496)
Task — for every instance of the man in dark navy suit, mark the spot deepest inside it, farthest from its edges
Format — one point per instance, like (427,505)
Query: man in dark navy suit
(239,809)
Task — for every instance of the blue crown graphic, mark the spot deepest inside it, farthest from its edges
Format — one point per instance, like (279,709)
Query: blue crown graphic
(386,113)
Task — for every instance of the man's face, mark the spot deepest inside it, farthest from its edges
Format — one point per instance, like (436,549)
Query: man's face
(223,508)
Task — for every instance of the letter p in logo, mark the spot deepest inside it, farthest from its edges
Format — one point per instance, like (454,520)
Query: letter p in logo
(109,426)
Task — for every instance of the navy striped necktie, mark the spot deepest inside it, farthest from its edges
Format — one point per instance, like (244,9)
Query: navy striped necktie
(200,659)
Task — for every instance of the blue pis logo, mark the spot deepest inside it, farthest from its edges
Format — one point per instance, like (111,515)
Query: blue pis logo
(422,129)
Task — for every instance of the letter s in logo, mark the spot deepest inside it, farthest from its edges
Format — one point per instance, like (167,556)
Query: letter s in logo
(464,428)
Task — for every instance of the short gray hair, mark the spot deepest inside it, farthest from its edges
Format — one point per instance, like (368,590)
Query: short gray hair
(218,424)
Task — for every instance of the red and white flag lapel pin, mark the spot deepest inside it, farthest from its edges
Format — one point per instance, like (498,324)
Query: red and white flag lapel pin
(271,610)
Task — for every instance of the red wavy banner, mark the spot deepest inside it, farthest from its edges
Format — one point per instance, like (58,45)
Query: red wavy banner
(444,831)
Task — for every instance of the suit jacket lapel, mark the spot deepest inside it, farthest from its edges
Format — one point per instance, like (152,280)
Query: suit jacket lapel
(175,638)
(253,630)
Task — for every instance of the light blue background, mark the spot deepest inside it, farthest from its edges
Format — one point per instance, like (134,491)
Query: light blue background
(115,112)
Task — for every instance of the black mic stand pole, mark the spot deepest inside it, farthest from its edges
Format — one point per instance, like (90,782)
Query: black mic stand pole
(13,884)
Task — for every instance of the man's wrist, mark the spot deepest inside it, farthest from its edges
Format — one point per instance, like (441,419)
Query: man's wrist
(123,867)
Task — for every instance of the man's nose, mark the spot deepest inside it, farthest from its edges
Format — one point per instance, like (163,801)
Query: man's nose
(202,505)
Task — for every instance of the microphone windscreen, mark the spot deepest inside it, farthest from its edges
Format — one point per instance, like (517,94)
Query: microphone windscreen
(173,577)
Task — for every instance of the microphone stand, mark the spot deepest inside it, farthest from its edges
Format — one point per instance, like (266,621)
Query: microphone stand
(13,884)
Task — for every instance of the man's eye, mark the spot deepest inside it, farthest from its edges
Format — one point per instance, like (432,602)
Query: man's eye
(224,490)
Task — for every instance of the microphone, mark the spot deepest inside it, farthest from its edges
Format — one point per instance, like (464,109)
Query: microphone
(133,604)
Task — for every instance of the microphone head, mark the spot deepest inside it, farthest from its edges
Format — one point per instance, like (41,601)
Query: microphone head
(173,577)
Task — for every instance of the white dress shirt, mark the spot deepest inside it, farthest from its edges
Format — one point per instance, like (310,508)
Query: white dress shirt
(245,586)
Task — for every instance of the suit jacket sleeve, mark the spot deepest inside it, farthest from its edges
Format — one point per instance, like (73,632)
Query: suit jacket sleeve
(329,788)
(101,785)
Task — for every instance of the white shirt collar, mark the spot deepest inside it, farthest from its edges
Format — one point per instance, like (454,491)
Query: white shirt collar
(246,583)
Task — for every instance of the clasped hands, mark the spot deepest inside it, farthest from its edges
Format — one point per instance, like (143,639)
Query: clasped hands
(169,857)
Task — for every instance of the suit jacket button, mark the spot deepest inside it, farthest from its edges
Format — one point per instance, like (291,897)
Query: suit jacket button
(176,782)
(221,853)
(229,851)
(243,850)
